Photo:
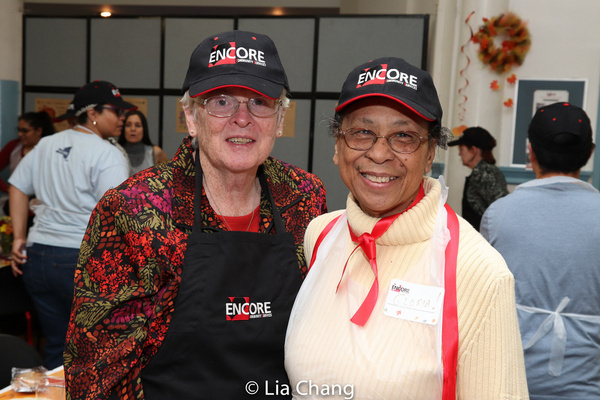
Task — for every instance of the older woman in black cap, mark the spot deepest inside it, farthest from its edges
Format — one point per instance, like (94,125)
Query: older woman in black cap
(404,300)
(189,269)
(67,172)
(486,183)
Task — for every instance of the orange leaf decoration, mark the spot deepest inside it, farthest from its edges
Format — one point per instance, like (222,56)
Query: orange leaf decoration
(458,130)
(512,79)
(514,38)
(508,103)
(494,85)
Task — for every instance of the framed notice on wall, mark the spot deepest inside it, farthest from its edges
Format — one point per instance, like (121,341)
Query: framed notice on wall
(535,93)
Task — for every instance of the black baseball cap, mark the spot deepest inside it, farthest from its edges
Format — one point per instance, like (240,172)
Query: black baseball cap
(70,113)
(395,79)
(475,136)
(97,93)
(561,128)
(236,58)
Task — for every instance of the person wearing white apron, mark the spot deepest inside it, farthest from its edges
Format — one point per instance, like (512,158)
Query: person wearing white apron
(403,299)
(548,230)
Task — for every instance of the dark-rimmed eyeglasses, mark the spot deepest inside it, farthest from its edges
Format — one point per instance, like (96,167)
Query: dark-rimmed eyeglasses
(224,106)
(404,142)
(119,111)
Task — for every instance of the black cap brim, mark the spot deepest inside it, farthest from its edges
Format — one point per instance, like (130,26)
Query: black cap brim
(257,84)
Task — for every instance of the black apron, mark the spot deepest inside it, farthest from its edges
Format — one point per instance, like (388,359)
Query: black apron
(231,313)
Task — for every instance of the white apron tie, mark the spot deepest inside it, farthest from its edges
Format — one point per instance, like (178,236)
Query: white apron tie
(559,336)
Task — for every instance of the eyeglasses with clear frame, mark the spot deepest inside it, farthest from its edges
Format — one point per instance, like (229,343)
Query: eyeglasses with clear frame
(224,106)
(404,142)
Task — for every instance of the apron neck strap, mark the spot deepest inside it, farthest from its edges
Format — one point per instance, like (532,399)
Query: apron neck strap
(264,185)
(197,192)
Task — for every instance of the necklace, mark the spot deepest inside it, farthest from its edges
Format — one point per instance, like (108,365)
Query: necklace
(219,214)
(229,226)
(84,128)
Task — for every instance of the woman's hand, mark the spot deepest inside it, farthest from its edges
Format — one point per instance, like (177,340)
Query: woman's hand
(19,256)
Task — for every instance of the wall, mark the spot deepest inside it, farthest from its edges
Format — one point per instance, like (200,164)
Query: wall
(10,68)
(202,3)
(564,46)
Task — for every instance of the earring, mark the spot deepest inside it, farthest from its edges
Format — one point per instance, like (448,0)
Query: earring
(93,122)
(279,133)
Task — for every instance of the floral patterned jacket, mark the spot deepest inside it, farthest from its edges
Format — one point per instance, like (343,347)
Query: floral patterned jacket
(130,266)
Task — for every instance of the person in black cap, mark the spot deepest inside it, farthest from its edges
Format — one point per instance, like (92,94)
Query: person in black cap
(403,299)
(67,172)
(189,269)
(486,183)
(547,231)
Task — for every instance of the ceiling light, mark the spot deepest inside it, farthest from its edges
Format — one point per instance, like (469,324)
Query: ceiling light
(105,14)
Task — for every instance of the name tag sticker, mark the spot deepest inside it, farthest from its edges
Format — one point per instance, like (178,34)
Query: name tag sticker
(414,302)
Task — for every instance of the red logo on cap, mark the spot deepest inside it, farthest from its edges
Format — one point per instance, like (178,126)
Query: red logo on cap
(380,75)
(372,76)
(222,54)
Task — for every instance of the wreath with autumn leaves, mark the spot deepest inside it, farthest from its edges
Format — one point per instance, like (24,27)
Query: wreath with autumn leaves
(513,48)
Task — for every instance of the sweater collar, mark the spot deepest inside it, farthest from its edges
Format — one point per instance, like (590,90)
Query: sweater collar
(413,225)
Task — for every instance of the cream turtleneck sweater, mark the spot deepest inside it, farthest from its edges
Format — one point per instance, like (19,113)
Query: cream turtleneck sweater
(390,358)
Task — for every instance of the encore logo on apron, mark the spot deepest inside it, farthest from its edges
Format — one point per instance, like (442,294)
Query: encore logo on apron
(242,309)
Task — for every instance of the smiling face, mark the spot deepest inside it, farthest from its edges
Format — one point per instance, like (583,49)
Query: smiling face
(382,181)
(239,143)
(134,130)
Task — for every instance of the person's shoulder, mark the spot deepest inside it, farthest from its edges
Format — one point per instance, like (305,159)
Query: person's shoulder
(12,143)
(274,166)
(316,226)
(477,256)
(485,170)
(150,180)
(290,176)
(324,219)
(56,137)
(152,185)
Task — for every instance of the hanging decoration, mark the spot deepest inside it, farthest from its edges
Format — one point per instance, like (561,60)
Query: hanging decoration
(458,130)
(462,105)
(514,46)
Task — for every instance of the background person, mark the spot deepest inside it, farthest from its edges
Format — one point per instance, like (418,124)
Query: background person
(486,183)
(68,173)
(388,248)
(135,139)
(548,232)
(172,255)
(32,126)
